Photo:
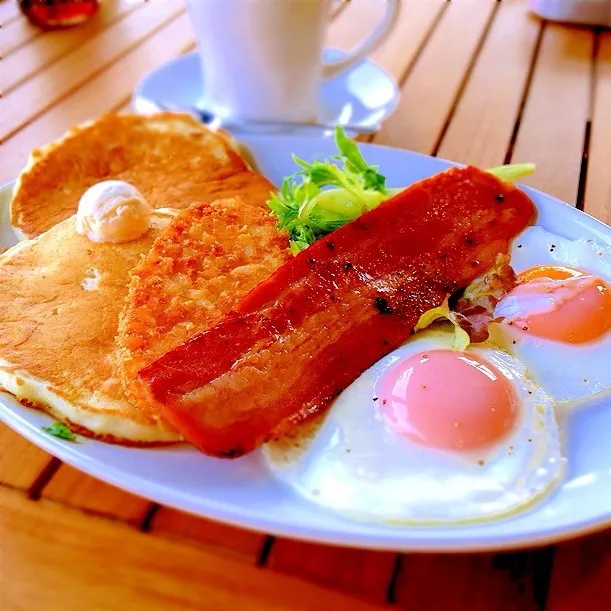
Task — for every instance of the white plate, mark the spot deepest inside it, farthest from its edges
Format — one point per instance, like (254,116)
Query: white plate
(362,96)
(243,493)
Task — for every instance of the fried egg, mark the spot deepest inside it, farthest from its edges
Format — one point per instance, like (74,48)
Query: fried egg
(558,320)
(428,435)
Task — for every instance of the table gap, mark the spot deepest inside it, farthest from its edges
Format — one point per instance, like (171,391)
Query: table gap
(529,79)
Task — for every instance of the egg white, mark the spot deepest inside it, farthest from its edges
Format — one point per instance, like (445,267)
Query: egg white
(357,465)
(567,372)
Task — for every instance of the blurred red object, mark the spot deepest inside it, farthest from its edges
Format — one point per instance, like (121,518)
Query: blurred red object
(51,14)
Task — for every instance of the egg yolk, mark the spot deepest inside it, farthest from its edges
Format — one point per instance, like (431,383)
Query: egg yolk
(449,400)
(559,303)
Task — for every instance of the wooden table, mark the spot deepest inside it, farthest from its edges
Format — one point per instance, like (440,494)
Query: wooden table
(482,82)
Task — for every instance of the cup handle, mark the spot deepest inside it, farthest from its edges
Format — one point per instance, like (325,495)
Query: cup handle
(382,30)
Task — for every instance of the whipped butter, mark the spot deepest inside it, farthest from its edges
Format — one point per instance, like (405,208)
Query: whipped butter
(112,211)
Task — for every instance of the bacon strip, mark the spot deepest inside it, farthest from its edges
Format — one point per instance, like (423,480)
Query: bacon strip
(298,339)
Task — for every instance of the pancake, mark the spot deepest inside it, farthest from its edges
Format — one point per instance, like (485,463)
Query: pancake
(207,259)
(172,159)
(60,298)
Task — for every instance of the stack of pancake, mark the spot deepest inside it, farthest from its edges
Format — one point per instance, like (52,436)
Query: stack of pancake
(79,319)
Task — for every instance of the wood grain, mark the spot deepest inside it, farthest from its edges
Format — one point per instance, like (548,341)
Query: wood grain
(582,575)
(9,10)
(16,34)
(552,129)
(20,461)
(434,81)
(482,125)
(362,572)
(67,561)
(222,538)
(79,490)
(44,50)
(477,582)
(416,22)
(598,188)
(117,82)
(43,90)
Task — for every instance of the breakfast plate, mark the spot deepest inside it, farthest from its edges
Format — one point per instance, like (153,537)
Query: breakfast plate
(245,491)
(361,97)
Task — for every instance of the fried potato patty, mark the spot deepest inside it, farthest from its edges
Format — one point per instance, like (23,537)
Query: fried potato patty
(206,260)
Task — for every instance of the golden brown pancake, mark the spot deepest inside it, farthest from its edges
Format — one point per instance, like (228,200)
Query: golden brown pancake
(171,158)
(60,298)
(204,262)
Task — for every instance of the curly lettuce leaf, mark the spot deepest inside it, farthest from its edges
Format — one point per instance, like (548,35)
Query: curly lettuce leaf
(477,304)
(461,337)
(322,196)
(474,310)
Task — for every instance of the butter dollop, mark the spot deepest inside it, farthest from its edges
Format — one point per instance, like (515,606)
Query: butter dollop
(112,211)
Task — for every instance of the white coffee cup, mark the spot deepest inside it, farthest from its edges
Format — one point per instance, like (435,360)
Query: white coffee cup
(262,59)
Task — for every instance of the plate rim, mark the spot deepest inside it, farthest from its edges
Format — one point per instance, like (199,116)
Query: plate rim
(399,540)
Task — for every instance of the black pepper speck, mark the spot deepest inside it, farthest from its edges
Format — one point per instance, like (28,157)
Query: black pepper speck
(382,305)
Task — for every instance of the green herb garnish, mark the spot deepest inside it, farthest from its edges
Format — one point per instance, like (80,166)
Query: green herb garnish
(322,197)
(59,430)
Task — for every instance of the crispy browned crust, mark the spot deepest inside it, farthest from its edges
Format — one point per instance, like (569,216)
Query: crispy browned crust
(204,262)
(171,158)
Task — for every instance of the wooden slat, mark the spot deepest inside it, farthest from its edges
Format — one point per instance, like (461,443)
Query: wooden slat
(553,125)
(74,69)
(117,83)
(44,50)
(481,128)
(399,50)
(16,34)
(415,24)
(361,572)
(241,543)
(474,582)
(354,23)
(20,461)
(598,189)
(9,10)
(69,561)
(582,575)
(74,488)
(432,85)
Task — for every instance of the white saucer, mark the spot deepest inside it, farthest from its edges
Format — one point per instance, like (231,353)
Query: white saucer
(361,97)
